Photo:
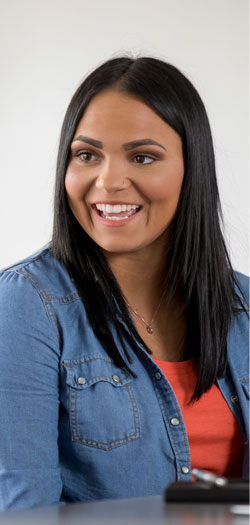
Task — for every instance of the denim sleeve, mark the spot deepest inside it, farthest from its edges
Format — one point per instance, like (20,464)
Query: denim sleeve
(29,399)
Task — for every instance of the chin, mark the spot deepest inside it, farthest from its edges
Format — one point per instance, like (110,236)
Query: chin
(116,248)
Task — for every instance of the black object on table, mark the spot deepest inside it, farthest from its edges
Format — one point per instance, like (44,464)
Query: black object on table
(236,491)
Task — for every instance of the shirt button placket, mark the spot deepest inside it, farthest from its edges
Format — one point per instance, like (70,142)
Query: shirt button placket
(178,436)
(175,422)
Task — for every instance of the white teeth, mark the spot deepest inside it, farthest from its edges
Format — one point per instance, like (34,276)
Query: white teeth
(116,208)
(114,218)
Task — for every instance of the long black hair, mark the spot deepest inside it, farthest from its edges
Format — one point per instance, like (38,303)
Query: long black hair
(197,266)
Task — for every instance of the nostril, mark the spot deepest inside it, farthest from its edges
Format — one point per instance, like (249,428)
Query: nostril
(112,183)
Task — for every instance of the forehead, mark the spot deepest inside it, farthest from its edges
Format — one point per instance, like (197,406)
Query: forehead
(113,111)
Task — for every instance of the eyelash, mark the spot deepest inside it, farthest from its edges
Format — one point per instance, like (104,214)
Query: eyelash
(140,155)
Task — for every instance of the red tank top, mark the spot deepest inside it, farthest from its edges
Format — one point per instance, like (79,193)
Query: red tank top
(214,434)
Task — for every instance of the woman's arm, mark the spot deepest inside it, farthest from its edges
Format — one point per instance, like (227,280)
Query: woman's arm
(29,400)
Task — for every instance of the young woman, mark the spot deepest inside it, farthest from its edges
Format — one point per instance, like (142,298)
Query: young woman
(124,345)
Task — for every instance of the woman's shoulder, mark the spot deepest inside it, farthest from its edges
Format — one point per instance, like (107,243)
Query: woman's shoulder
(242,282)
(43,271)
(242,278)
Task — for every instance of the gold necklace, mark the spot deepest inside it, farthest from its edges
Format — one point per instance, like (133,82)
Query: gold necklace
(149,326)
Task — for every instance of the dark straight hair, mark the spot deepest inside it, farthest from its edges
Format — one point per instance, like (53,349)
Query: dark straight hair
(197,266)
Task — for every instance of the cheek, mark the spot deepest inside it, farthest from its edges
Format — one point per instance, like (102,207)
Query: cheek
(74,185)
(164,187)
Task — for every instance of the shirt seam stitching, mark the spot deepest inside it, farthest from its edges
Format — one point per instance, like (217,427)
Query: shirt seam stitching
(47,305)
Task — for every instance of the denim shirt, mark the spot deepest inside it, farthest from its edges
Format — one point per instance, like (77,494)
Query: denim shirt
(74,426)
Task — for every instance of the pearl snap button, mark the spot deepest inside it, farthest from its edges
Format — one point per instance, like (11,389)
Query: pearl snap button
(81,381)
(158,375)
(185,469)
(116,379)
(234,399)
(174,421)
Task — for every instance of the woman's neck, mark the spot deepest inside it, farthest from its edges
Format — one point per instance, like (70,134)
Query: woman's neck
(140,276)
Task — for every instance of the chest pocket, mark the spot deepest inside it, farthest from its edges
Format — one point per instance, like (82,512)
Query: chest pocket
(102,408)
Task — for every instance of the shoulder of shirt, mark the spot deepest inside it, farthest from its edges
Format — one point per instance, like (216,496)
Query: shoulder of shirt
(44,271)
(243,281)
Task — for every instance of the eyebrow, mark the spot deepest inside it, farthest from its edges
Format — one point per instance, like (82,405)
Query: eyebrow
(127,146)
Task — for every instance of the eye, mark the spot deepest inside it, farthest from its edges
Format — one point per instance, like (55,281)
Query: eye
(86,156)
(143,159)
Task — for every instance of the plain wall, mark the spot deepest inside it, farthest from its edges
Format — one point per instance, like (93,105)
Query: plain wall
(48,47)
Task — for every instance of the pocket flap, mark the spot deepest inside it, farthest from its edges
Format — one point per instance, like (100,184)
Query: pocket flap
(83,373)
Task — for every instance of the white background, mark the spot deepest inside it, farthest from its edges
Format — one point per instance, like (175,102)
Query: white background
(48,47)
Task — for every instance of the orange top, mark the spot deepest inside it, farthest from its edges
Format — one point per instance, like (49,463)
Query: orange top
(214,434)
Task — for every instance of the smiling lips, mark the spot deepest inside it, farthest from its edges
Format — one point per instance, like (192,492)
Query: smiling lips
(116,212)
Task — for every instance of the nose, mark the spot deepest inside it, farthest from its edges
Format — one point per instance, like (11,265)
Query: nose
(112,178)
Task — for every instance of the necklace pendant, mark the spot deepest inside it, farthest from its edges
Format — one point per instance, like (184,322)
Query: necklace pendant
(149,329)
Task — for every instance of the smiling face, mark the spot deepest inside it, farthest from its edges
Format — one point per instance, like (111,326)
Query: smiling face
(125,173)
